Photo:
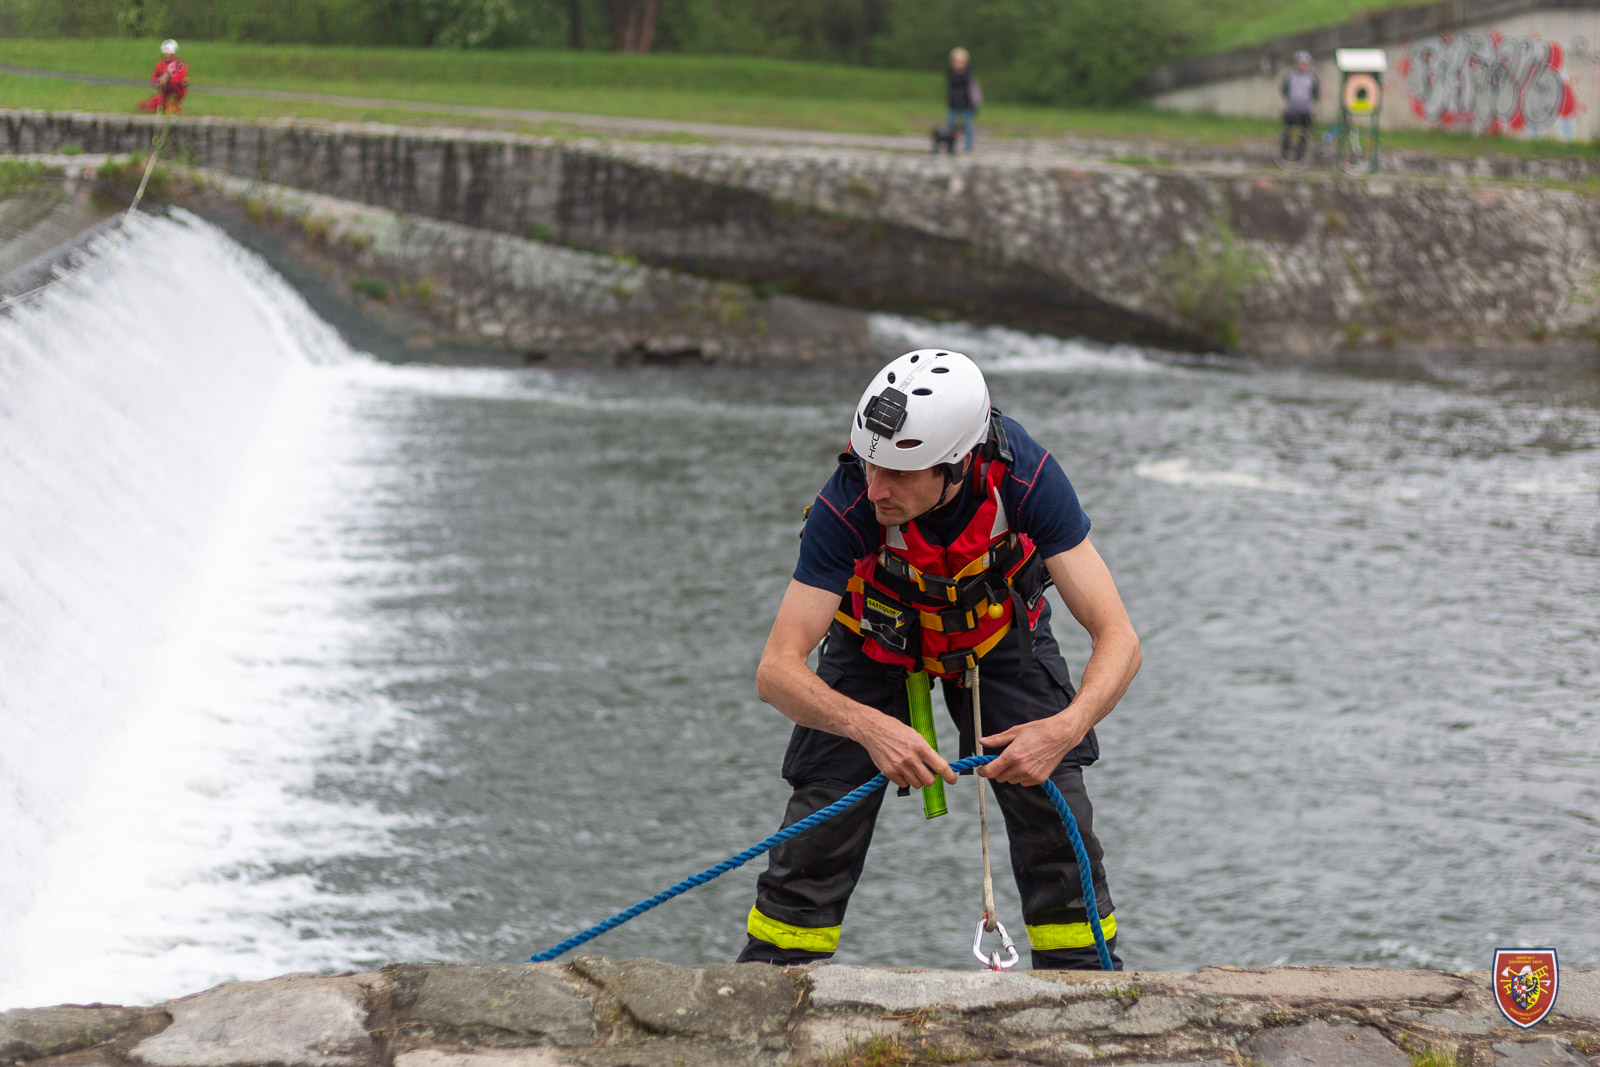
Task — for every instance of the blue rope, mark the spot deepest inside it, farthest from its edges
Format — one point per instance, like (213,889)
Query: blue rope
(859,793)
(1085,874)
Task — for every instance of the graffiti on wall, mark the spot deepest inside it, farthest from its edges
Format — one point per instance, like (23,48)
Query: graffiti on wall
(1488,82)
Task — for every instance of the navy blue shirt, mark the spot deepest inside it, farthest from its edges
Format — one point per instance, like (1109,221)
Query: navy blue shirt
(1039,501)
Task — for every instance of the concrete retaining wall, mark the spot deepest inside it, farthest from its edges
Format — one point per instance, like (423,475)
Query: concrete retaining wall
(1515,68)
(1189,255)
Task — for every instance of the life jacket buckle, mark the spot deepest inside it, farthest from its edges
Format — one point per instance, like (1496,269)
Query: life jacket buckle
(942,588)
(960,659)
(896,566)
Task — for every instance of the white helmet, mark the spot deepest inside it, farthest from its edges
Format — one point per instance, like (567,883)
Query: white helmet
(169,47)
(926,408)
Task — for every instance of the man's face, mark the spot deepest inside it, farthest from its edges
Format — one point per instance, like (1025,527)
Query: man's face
(900,496)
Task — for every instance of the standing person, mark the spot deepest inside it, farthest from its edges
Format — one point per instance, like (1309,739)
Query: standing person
(1299,90)
(931,547)
(960,98)
(171,80)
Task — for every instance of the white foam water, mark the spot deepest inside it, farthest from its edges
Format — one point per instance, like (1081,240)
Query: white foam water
(999,350)
(171,438)
(1179,471)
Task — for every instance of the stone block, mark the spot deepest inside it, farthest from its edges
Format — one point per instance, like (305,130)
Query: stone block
(1322,1044)
(1460,1022)
(1548,1052)
(728,1001)
(666,1052)
(543,1056)
(1097,1014)
(828,1037)
(1230,1013)
(1579,996)
(1337,984)
(1150,1016)
(843,986)
(301,1022)
(489,1004)
(33,1033)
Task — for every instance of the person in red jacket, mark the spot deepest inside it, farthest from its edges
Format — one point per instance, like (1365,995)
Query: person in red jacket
(171,80)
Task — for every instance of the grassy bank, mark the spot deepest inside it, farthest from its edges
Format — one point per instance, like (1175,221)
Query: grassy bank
(733,90)
(725,90)
(1240,23)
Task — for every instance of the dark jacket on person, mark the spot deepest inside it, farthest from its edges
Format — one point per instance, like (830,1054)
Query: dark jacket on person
(960,83)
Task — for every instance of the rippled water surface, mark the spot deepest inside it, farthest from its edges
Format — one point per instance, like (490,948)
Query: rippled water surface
(476,671)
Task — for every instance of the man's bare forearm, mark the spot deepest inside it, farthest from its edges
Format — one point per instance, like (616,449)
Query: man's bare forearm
(791,686)
(1112,664)
(787,683)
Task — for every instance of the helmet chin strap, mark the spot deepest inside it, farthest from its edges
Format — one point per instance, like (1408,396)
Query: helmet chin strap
(952,475)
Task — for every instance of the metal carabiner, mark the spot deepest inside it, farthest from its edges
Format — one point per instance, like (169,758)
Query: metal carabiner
(993,960)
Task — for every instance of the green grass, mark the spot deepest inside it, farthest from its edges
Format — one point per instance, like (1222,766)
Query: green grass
(1238,23)
(724,90)
(1425,1055)
(335,69)
(721,90)
(885,1050)
(17,175)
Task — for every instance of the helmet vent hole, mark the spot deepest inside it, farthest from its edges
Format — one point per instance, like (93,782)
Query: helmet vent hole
(859,423)
(891,377)
(908,443)
(941,370)
(922,392)
(915,358)
(941,355)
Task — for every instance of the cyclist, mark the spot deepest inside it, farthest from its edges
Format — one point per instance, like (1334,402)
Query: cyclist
(1300,90)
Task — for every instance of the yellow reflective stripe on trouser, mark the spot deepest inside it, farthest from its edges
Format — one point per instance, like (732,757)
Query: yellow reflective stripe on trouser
(785,935)
(1070,935)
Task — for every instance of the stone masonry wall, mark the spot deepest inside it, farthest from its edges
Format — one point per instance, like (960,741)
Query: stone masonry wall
(598,1012)
(1184,255)
(448,287)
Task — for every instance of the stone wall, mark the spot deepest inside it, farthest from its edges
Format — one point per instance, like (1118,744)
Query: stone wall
(454,292)
(1182,255)
(1514,67)
(598,1012)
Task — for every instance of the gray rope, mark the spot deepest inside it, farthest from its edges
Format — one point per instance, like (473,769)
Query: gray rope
(983,802)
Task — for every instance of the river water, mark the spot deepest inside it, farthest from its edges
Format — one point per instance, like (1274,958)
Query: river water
(311,661)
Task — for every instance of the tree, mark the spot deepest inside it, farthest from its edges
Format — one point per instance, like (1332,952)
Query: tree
(1095,51)
(633,24)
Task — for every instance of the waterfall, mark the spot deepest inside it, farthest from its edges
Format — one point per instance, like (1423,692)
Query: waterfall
(141,400)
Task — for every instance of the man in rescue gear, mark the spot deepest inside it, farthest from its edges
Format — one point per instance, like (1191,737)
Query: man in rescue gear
(171,80)
(930,548)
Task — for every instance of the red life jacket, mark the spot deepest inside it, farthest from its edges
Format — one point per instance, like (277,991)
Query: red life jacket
(177,75)
(940,609)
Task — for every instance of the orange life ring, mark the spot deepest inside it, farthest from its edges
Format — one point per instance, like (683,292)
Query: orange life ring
(1361,93)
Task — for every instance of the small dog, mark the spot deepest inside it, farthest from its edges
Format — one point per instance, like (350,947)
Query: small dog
(944,139)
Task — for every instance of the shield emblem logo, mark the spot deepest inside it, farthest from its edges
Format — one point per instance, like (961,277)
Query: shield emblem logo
(1525,983)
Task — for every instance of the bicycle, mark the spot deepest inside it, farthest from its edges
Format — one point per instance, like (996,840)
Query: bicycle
(1294,147)
(1356,154)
